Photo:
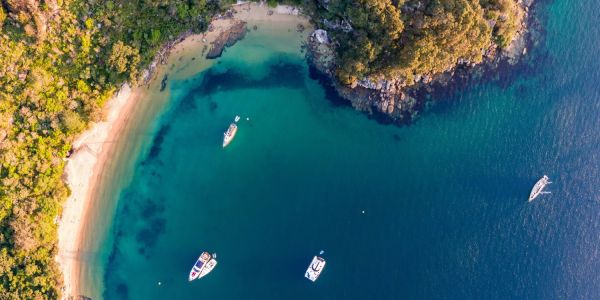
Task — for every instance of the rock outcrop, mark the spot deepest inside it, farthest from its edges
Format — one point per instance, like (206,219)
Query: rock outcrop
(396,99)
(228,38)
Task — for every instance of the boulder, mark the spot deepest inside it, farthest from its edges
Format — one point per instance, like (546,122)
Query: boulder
(321,36)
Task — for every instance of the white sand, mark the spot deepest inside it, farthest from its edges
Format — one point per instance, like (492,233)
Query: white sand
(81,170)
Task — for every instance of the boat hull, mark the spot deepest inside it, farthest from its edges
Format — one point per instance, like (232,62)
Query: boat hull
(315,268)
(204,264)
(208,268)
(538,188)
(229,134)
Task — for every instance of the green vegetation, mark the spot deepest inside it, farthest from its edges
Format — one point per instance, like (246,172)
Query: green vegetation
(507,15)
(402,39)
(59,62)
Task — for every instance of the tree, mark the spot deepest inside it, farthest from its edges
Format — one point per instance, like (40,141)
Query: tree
(154,37)
(57,68)
(403,39)
(125,59)
(2,16)
(377,27)
(22,227)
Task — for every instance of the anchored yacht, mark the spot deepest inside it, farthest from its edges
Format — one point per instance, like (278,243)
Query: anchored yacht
(230,133)
(205,263)
(315,268)
(538,188)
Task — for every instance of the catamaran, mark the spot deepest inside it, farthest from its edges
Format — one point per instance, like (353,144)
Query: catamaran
(230,133)
(205,263)
(538,188)
(315,268)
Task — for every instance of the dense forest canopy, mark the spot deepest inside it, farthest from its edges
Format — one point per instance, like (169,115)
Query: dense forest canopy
(404,38)
(60,60)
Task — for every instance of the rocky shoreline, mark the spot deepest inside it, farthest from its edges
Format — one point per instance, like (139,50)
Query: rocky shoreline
(231,35)
(392,101)
(228,38)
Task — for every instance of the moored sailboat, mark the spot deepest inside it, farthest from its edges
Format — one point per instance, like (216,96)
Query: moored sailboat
(538,188)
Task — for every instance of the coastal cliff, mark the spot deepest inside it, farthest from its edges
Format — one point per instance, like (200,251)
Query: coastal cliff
(392,80)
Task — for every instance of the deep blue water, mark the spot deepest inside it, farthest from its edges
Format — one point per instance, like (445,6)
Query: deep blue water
(444,199)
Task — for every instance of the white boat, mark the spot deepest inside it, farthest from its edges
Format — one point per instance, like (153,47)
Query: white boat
(315,268)
(229,134)
(203,266)
(538,188)
(210,265)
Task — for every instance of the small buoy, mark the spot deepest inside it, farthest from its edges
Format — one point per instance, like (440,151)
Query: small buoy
(159,283)
(321,252)
(248,119)
(363,211)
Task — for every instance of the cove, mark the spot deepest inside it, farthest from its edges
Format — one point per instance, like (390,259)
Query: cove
(444,199)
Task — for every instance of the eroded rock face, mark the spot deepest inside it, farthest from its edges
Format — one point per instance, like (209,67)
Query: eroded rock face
(369,95)
(321,36)
(229,37)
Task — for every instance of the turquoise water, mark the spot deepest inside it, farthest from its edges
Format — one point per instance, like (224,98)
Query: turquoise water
(444,199)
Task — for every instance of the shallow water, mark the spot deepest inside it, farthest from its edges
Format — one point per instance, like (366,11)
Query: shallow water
(444,199)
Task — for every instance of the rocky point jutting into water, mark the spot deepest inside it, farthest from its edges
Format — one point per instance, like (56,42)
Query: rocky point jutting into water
(396,95)
(236,32)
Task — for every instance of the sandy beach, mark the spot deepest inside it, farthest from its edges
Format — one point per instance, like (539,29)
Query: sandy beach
(96,146)
(91,150)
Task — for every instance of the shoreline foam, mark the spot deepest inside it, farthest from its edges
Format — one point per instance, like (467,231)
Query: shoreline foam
(95,146)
